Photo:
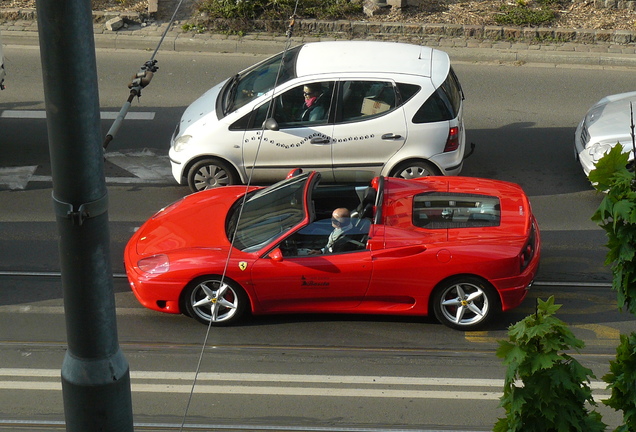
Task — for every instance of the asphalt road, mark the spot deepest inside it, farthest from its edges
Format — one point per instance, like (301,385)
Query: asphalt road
(296,372)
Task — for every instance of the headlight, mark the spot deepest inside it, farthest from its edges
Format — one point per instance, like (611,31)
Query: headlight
(181,142)
(597,150)
(168,208)
(155,264)
(594,114)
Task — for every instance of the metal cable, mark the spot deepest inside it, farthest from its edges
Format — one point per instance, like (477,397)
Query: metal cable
(139,81)
(270,113)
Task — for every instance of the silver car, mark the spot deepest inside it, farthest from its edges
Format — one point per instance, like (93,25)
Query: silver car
(352,110)
(607,123)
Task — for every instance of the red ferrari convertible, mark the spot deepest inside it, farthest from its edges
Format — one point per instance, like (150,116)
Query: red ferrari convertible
(460,248)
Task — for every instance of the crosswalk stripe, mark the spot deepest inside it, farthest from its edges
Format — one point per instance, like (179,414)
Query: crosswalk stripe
(145,167)
(104,115)
(16,178)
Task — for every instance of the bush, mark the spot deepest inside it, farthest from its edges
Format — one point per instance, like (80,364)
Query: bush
(246,10)
(522,15)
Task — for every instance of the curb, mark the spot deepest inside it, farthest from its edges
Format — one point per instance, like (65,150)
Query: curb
(604,49)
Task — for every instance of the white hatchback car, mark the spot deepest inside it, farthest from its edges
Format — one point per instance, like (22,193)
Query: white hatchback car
(607,123)
(352,110)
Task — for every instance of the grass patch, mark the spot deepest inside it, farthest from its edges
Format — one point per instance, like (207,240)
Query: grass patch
(523,15)
(246,10)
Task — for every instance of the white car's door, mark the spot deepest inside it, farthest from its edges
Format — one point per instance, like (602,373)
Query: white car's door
(368,130)
(303,139)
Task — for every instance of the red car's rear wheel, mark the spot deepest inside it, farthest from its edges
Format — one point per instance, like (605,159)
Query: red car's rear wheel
(465,303)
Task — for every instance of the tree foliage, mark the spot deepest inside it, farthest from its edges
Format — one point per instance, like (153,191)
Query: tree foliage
(622,382)
(617,216)
(554,387)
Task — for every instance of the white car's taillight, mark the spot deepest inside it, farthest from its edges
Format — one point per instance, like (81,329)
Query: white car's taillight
(155,264)
(452,143)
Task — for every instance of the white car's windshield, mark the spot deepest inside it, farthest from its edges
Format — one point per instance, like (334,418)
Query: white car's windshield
(259,79)
(267,213)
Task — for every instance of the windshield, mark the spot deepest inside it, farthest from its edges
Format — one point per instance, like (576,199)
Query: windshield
(259,79)
(267,213)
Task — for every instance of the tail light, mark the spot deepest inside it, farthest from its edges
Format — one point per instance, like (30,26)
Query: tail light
(527,253)
(452,143)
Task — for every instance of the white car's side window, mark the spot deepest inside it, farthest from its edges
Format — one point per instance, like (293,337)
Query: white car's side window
(301,106)
(362,99)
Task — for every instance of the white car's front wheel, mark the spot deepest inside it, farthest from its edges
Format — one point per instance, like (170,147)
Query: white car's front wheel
(209,174)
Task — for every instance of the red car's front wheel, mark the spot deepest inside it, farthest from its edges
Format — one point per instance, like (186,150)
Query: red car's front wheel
(213,300)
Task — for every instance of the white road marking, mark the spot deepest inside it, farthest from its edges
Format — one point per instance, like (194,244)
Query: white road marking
(110,180)
(145,167)
(59,310)
(317,385)
(105,115)
(16,178)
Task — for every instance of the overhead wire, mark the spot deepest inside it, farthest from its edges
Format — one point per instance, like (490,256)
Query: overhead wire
(270,114)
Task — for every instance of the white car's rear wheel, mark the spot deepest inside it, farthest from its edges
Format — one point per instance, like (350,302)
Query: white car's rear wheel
(415,169)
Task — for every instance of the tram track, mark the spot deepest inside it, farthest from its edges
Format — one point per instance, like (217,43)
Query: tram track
(389,347)
(45,426)
(539,283)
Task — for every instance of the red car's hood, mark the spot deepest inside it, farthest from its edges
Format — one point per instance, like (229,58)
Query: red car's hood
(196,221)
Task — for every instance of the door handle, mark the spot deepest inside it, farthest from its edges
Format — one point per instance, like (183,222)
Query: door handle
(390,136)
(320,140)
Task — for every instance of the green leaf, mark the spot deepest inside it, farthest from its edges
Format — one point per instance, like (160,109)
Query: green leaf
(622,210)
(607,167)
(548,307)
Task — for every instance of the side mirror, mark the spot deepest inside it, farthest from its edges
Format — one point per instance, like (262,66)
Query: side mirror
(294,173)
(271,124)
(276,255)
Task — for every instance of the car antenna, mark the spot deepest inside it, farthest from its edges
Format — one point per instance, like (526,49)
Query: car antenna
(139,81)
(631,116)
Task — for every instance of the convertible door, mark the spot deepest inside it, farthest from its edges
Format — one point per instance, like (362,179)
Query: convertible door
(315,283)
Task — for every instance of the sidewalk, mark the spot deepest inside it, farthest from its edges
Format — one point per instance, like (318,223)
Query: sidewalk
(463,43)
